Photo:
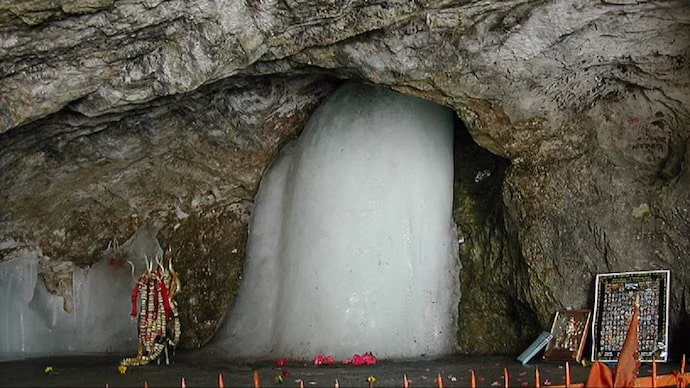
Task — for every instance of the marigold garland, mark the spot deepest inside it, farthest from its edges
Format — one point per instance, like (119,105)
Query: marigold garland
(158,318)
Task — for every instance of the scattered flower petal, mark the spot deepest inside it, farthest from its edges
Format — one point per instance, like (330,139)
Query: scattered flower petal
(281,362)
(122,369)
(286,373)
(48,369)
(547,382)
(371,379)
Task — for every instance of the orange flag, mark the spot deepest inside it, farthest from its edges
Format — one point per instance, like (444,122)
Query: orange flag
(600,376)
(628,360)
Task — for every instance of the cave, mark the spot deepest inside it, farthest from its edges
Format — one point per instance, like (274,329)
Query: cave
(138,129)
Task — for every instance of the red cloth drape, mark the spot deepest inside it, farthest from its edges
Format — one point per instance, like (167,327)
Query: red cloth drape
(135,296)
(600,376)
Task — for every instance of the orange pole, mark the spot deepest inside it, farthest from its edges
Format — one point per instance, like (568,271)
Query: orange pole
(221,382)
(682,365)
(506,378)
(653,373)
(301,383)
(336,385)
(146,384)
(473,379)
(406,383)
(567,375)
(439,381)
(537,378)
(257,381)
(183,384)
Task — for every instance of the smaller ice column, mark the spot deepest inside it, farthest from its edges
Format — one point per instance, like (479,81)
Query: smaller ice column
(34,322)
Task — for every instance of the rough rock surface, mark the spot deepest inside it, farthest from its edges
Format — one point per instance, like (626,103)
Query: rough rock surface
(117,113)
(184,169)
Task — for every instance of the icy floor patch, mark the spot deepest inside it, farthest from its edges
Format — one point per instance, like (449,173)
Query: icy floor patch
(352,245)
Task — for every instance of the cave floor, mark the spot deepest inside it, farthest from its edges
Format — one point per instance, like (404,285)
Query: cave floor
(202,371)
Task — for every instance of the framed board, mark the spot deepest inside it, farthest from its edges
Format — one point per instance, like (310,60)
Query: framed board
(614,296)
(569,331)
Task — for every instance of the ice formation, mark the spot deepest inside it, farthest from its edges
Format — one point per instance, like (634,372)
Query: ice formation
(34,322)
(352,245)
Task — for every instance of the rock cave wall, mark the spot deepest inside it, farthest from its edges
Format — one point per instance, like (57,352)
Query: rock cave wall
(119,114)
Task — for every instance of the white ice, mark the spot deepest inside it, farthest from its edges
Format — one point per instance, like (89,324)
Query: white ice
(352,245)
(33,322)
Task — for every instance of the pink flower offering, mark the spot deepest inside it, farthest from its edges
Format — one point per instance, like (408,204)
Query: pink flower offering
(322,359)
(367,358)
(286,373)
(281,362)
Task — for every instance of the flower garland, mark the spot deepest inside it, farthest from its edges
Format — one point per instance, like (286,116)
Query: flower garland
(158,318)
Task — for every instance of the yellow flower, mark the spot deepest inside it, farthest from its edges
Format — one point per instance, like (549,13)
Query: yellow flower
(371,379)
(122,369)
(48,369)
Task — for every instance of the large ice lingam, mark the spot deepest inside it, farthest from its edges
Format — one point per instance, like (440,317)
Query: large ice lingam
(352,246)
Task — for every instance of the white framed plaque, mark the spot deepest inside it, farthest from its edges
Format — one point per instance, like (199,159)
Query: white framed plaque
(614,296)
